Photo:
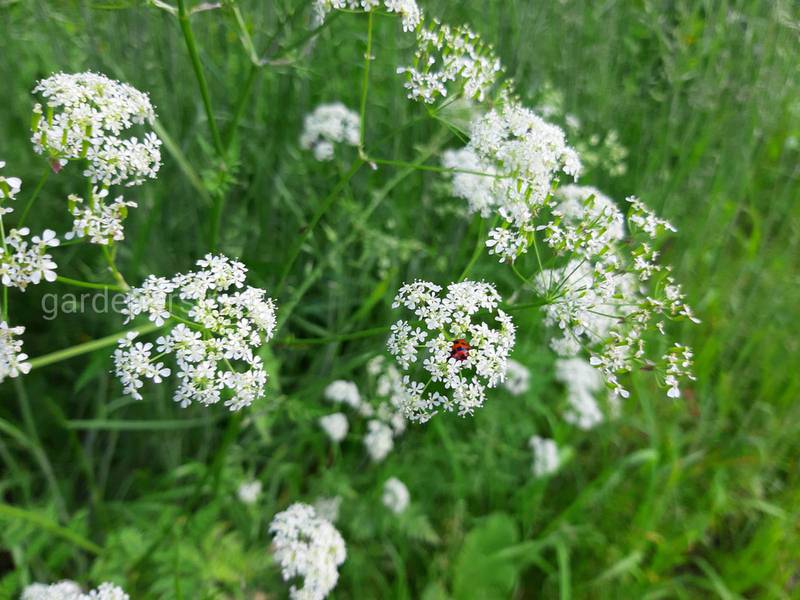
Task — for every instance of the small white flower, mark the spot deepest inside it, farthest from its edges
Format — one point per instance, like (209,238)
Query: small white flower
(395,495)
(343,392)
(379,440)
(335,426)
(13,361)
(463,353)
(217,356)
(69,590)
(328,125)
(306,545)
(24,262)
(545,456)
(249,491)
(9,186)
(582,381)
(407,9)
(83,117)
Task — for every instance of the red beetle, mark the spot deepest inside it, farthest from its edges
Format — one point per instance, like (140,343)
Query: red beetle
(460,349)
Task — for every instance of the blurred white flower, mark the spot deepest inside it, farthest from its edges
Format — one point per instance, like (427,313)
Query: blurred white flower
(220,329)
(335,425)
(328,125)
(83,117)
(407,9)
(249,491)
(307,546)
(379,440)
(13,360)
(582,381)
(69,590)
(464,352)
(343,392)
(395,495)
(545,456)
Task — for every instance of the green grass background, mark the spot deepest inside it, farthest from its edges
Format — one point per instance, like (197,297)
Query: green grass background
(696,498)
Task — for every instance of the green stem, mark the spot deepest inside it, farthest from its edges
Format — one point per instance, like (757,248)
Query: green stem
(191,46)
(19,514)
(321,210)
(112,264)
(73,351)
(365,83)
(476,252)
(241,104)
(90,285)
(35,195)
(343,337)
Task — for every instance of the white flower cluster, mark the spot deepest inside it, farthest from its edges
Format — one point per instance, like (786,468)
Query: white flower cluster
(69,590)
(607,298)
(462,353)
(446,54)
(407,9)
(12,358)
(249,491)
(9,188)
(328,125)
(518,378)
(220,327)
(335,426)
(546,459)
(24,262)
(582,381)
(586,223)
(84,117)
(386,420)
(100,222)
(395,495)
(307,546)
(513,158)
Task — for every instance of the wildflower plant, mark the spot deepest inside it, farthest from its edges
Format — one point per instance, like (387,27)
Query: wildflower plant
(451,380)
(222,324)
(307,546)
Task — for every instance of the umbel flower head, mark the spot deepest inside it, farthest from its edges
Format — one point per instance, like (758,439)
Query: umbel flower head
(407,9)
(328,125)
(69,590)
(24,262)
(12,358)
(546,458)
(510,168)
(306,545)
(610,295)
(223,323)
(84,117)
(101,222)
(446,55)
(395,495)
(460,340)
